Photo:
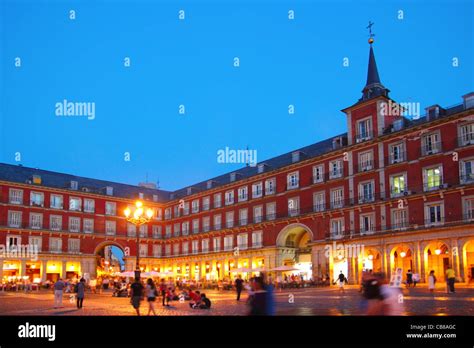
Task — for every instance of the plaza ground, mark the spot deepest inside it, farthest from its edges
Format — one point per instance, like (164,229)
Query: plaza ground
(308,301)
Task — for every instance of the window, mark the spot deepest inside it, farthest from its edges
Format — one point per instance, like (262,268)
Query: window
(88,225)
(176,249)
(74,185)
(337,228)
(295,156)
(143,250)
(366,192)
(16,196)
(14,218)
(293,206)
(185,206)
(205,245)
(337,198)
(466,171)
(319,201)
(177,229)
(257,214)
(398,185)
(229,219)
(195,206)
(185,247)
(432,178)
(399,218)
(243,217)
(206,202)
(318,173)
(157,250)
(156,231)
(109,191)
(110,227)
(155,198)
(167,213)
(195,246)
(466,134)
(168,249)
(232,177)
(257,239)
(73,245)
(243,193)
(55,222)
(110,208)
(13,242)
(206,224)
(185,228)
(159,214)
(56,202)
(168,231)
(143,230)
(217,200)
(55,245)
(229,197)
(270,186)
(36,243)
(217,222)
(335,168)
(195,225)
(257,190)
(431,144)
(216,243)
(434,213)
(89,205)
(74,224)
(397,153)
(271,211)
(74,204)
(228,243)
(468,208)
(131,229)
(36,221)
(364,130)
(292,180)
(367,224)
(242,241)
(365,161)
(37,199)
(177,211)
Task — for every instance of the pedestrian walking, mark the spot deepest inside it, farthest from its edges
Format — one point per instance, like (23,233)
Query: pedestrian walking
(431,281)
(416,279)
(151,294)
(239,286)
(136,294)
(80,291)
(58,293)
(163,291)
(450,280)
(258,297)
(409,278)
(340,280)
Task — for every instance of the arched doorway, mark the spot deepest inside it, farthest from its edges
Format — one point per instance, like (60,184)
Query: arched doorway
(468,260)
(293,242)
(402,257)
(110,259)
(437,258)
(372,261)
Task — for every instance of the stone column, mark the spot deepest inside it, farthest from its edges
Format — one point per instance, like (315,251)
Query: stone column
(454,257)
(420,263)
(44,269)
(22,268)
(63,269)
(1,270)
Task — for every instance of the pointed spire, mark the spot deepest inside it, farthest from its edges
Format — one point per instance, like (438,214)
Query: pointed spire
(373,87)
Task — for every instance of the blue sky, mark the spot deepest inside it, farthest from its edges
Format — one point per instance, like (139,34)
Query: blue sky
(190,62)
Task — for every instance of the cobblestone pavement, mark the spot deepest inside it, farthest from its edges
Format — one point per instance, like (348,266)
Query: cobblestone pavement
(309,301)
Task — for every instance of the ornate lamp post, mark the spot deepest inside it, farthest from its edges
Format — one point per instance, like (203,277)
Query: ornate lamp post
(138,216)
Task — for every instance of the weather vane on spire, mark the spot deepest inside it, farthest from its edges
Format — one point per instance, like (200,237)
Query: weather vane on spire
(371,35)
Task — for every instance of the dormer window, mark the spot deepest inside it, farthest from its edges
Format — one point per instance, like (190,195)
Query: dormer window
(210,184)
(141,195)
(468,100)
(109,191)
(36,179)
(74,185)
(232,177)
(295,156)
(261,168)
(155,198)
(189,191)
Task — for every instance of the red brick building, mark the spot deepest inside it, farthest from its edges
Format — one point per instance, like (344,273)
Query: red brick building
(391,193)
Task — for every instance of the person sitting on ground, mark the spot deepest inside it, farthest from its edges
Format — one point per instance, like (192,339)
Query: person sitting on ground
(195,299)
(205,302)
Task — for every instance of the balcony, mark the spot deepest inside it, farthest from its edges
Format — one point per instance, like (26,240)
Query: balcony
(434,222)
(466,179)
(466,140)
(293,212)
(365,166)
(367,198)
(435,186)
(394,159)
(336,173)
(431,149)
(363,136)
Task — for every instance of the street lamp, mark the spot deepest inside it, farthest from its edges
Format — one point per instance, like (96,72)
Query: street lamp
(138,216)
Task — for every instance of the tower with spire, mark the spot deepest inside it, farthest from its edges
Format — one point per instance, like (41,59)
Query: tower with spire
(365,120)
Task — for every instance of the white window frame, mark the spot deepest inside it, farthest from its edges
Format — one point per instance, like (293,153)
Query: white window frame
(15,196)
(293,180)
(318,173)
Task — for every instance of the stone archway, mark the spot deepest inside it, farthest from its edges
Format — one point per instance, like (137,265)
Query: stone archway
(108,259)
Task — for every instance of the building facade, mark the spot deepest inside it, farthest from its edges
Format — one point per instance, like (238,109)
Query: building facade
(390,193)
